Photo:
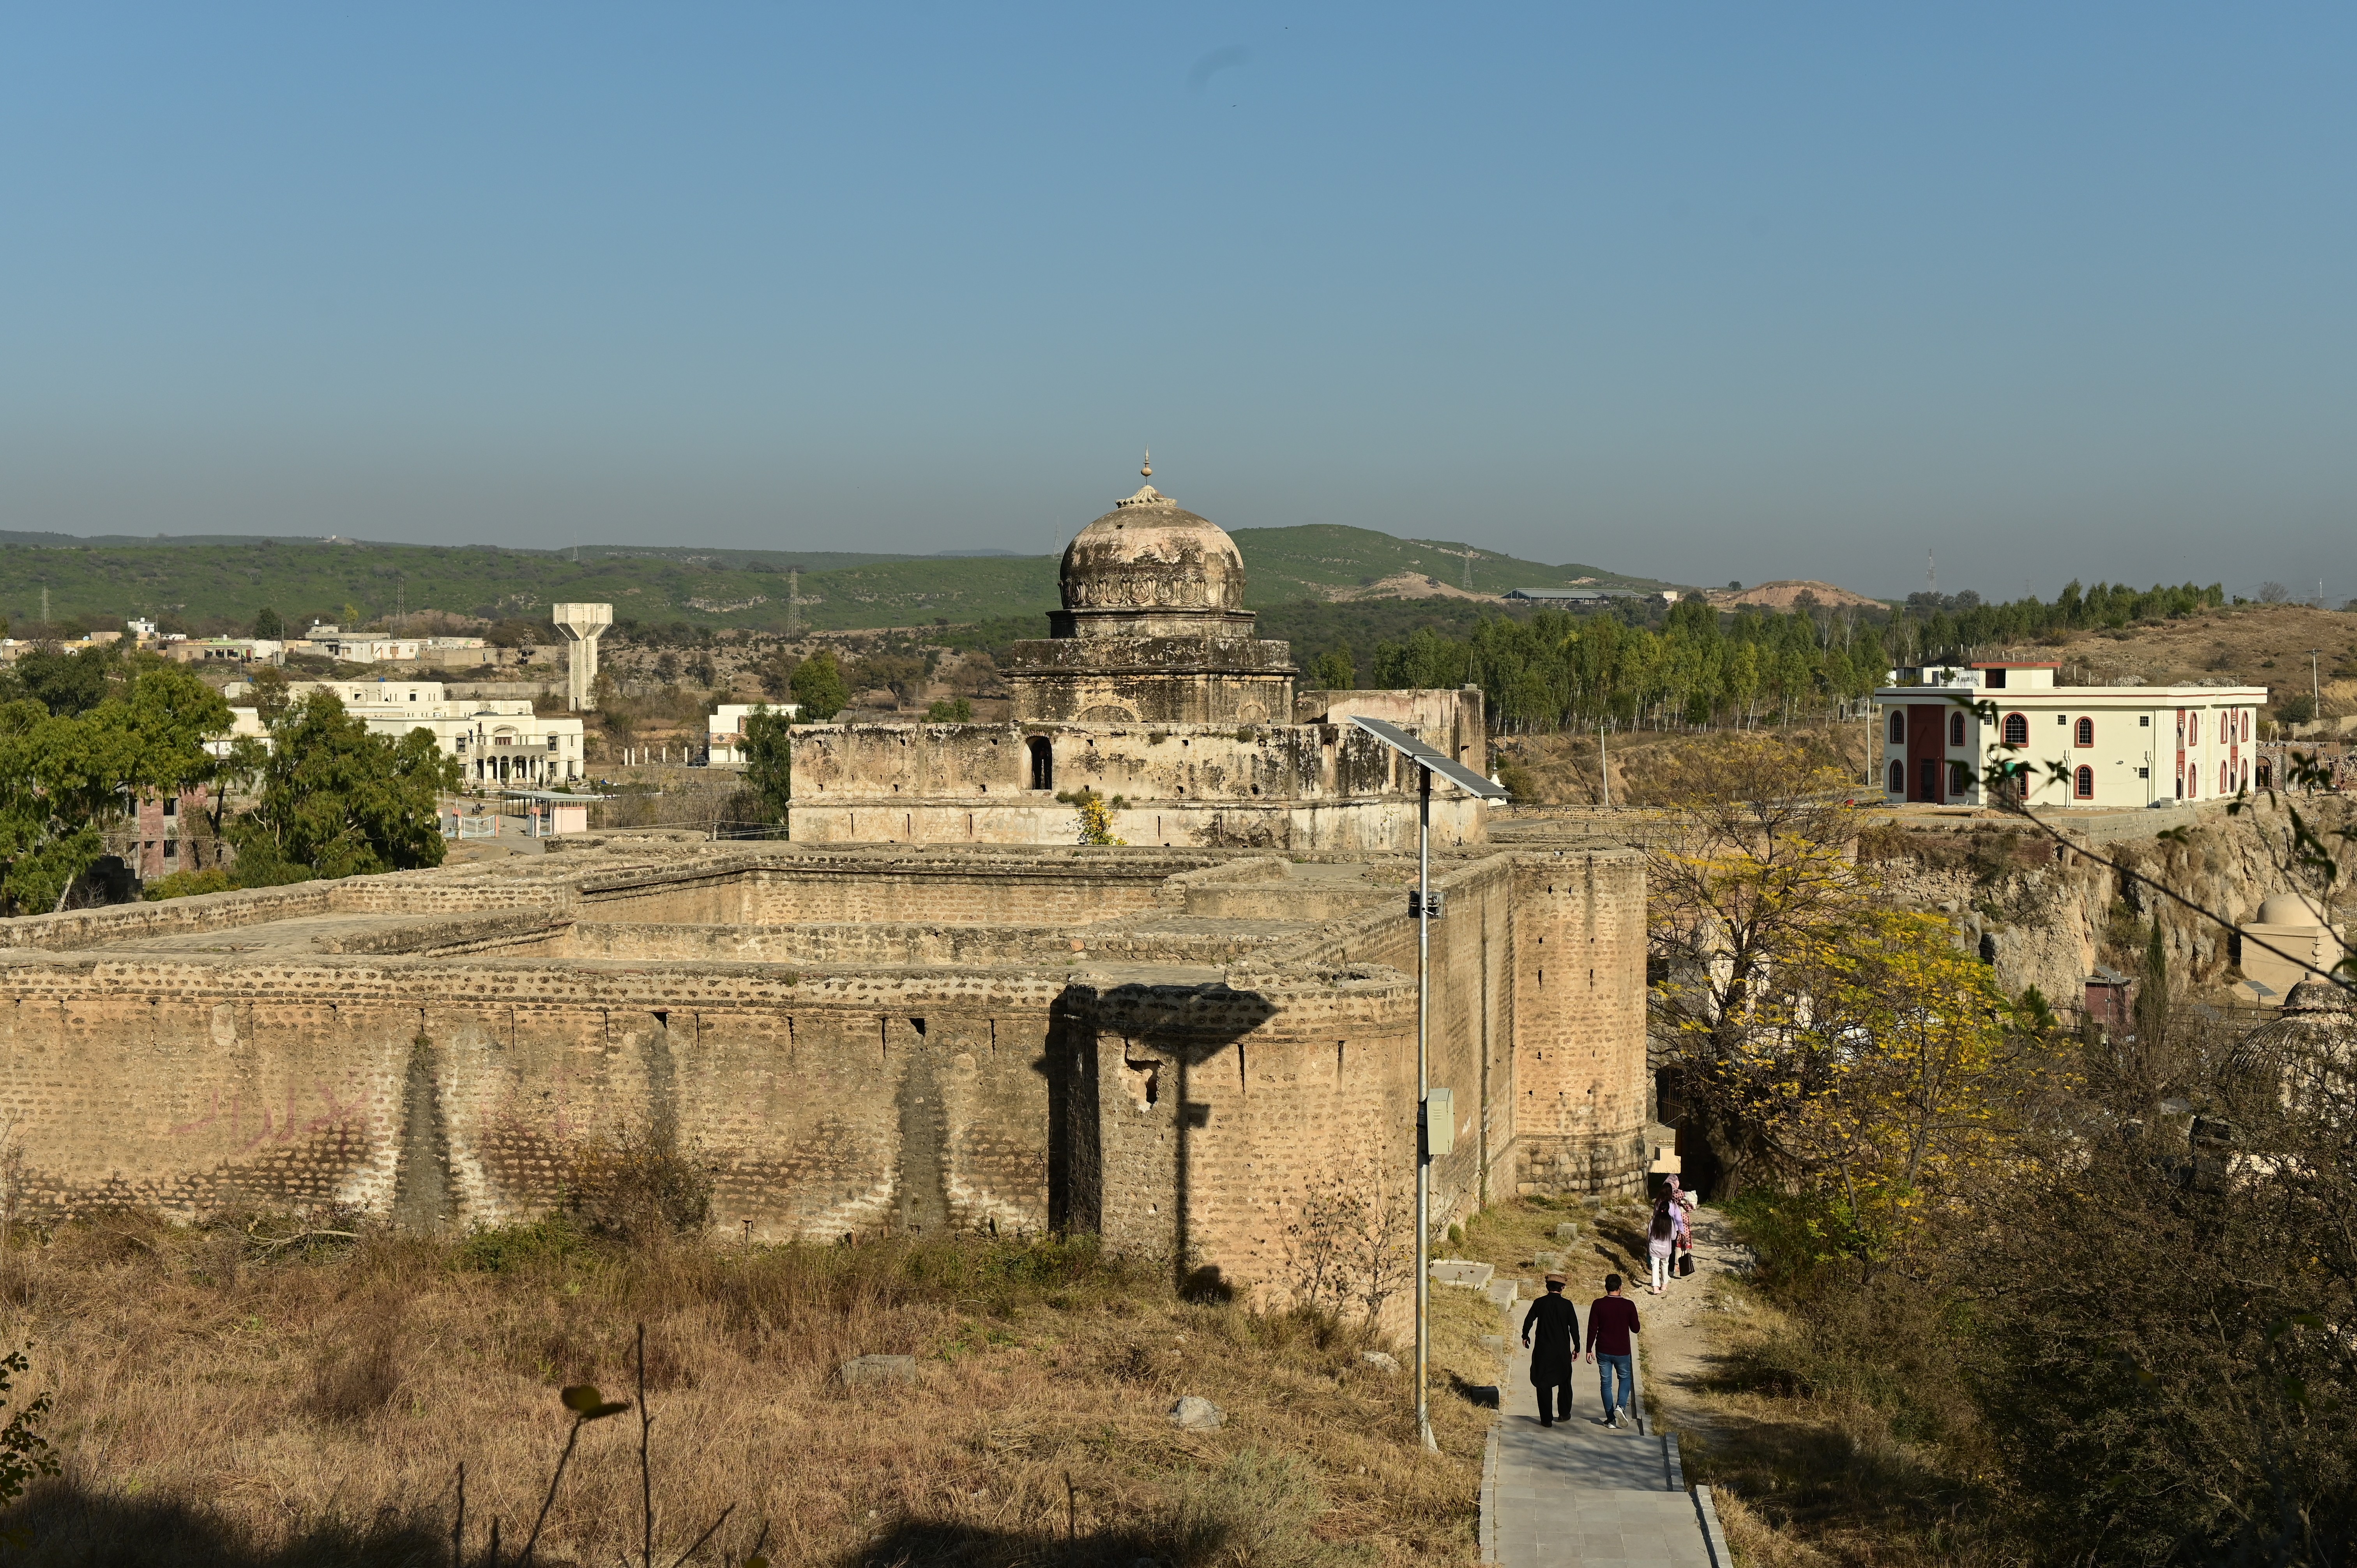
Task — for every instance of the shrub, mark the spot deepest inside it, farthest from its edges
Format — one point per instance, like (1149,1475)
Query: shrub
(639,1185)
(1255,1511)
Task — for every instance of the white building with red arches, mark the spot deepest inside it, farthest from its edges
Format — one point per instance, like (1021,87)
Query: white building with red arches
(2123,746)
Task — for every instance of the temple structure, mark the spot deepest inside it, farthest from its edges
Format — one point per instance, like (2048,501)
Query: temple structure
(1153,629)
(1153,692)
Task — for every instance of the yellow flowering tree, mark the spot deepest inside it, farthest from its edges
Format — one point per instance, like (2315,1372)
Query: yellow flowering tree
(1892,1081)
(1751,882)
(1095,814)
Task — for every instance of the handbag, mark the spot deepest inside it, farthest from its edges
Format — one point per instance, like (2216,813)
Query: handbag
(1685,1264)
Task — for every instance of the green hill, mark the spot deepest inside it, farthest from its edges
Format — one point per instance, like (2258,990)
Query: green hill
(219,581)
(1283,563)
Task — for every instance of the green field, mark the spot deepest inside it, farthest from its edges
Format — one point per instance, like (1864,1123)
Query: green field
(217,584)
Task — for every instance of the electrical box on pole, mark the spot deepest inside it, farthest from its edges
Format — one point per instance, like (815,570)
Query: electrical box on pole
(1439,1122)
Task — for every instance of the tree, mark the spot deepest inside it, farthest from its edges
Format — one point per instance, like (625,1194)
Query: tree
(817,685)
(770,761)
(902,674)
(268,624)
(65,683)
(1753,878)
(271,694)
(337,800)
(1889,1076)
(1094,816)
(1334,672)
(776,673)
(24,1452)
(63,777)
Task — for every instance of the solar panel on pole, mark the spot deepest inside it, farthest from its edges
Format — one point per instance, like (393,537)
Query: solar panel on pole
(1429,763)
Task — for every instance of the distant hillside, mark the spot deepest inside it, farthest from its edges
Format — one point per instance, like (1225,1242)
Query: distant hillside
(220,580)
(1782,595)
(1321,558)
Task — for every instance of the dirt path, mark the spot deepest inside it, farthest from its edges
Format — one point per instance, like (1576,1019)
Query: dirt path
(1680,1328)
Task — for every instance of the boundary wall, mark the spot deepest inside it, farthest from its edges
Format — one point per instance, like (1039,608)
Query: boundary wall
(1188,1052)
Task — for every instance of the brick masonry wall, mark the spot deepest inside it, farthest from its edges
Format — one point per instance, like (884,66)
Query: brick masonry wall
(407,1086)
(1021,1082)
(1380,824)
(1579,979)
(1538,1018)
(1221,1110)
(1293,786)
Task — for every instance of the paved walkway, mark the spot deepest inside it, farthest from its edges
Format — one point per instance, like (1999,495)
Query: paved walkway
(1581,1493)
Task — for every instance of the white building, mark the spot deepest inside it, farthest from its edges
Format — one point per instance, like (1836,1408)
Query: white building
(725,730)
(501,742)
(376,647)
(2124,746)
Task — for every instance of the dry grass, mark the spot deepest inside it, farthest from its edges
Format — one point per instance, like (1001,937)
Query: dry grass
(1654,770)
(1821,1452)
(218,1405)
(2255,645)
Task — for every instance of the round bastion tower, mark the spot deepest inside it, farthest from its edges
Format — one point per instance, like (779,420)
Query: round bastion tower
(1152,629)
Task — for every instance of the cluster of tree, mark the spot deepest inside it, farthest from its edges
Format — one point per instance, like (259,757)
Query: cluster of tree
(1699,666)
(1556,670)
(2121,1253)
(1933,628)
(87,737)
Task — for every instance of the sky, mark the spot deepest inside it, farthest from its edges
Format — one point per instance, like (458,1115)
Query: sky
(1701,292)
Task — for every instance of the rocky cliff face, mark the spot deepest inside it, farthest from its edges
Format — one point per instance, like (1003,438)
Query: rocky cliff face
(2047,914)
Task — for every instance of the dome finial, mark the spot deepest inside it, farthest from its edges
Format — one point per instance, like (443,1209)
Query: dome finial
(1146,469)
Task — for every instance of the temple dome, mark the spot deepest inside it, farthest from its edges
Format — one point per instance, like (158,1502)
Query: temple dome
(1150,554)
(2290,910)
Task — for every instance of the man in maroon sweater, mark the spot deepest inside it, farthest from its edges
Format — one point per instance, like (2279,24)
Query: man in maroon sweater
(1610,1321)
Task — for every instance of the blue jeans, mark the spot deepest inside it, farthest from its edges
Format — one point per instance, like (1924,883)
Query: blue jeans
(1607,1369)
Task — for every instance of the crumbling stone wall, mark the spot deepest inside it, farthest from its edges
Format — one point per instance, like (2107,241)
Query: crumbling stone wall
(1310,786)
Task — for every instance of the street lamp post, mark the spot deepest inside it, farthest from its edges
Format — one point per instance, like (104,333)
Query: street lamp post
(1428,762)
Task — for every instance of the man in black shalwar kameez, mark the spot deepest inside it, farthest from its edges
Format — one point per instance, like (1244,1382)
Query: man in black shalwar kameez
(1556,1322)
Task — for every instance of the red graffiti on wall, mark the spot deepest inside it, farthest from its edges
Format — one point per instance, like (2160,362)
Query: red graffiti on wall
(288,1126)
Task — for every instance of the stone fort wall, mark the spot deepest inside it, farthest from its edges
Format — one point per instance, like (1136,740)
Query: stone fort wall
(1180,1050)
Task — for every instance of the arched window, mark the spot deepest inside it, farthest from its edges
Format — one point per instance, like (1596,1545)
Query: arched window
(1898,774)
(2085,782)
(1043,763)
(2016,730)
(1955,730)
(1899,726)
(2193,729)
(2226,780)
(1960,780)
(2084,732)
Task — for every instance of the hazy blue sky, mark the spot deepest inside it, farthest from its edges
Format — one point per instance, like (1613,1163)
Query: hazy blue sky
(1706,292)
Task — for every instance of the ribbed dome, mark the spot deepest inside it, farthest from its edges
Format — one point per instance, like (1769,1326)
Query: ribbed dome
(2316,996)
(1148,553)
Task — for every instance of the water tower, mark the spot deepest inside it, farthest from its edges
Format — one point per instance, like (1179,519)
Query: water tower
(582,626)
